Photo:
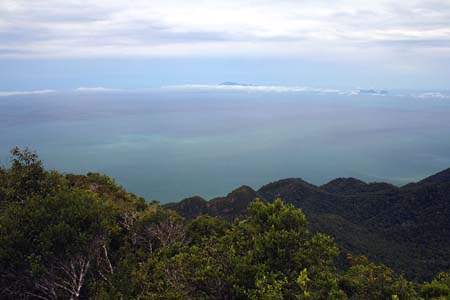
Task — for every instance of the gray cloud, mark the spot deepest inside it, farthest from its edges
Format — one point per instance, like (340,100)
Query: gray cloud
(57,28)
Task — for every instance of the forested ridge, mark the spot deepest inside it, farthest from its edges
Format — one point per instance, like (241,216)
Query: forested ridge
(407,228)
(66,236)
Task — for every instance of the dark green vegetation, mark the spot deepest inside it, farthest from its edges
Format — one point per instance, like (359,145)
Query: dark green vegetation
(65,236)
(406,228)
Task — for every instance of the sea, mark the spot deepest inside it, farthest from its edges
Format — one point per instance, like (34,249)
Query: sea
(167,145)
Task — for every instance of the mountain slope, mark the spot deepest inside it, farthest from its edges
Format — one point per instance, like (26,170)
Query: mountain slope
(232,206)
(407,228)
(441,177)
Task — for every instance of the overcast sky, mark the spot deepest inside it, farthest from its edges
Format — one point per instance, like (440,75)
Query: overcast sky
(139,44)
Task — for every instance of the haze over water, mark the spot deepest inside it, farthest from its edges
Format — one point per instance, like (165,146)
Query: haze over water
(168,145)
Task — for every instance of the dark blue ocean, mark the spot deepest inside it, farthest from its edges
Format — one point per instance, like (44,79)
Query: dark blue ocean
(167,145)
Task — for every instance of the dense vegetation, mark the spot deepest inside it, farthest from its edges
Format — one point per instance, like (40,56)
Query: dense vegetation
(406,228)
(65,236)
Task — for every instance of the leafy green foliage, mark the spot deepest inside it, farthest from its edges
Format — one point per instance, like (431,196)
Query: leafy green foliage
(25,177)
(57,225)
(438,288)
(66,236)
(369,281)
(205,227)
(405,228)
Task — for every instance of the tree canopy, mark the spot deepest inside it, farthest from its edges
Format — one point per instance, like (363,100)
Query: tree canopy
(66,236)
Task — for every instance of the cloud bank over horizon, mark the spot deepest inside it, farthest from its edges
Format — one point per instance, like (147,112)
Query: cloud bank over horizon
(239,87)
(244,88)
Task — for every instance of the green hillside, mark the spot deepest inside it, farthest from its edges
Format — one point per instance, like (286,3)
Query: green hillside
(407,228)
(66,236)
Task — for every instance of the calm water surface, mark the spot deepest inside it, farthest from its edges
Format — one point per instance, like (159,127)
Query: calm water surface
(170,145)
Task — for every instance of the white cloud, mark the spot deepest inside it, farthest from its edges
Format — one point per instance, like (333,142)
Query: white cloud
(18,93)
(98,89)
(62,28)
(248,88)
(300,89)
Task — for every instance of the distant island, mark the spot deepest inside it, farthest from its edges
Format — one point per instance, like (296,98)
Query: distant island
(235,83)
(372,92)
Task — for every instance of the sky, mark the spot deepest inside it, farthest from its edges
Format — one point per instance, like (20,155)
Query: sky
(64,45)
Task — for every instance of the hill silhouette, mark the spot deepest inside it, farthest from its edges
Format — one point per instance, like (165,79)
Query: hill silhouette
(407,228)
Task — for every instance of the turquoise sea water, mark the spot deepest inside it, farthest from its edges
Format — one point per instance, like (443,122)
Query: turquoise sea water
(168,145)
